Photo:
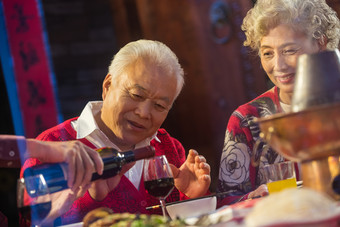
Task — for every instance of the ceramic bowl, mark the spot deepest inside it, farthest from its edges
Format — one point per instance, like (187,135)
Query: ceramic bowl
(192,207)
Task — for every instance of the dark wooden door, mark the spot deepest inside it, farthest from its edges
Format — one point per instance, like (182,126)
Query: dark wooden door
(219,75)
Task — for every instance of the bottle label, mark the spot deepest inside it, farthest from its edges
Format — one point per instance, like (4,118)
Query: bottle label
(54,174)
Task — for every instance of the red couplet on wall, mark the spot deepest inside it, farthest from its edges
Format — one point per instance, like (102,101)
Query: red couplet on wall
(31,67)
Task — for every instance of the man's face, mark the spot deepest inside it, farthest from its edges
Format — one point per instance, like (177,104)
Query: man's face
(137,104)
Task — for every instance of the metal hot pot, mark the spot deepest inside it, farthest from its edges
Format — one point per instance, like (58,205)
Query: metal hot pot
(310,134)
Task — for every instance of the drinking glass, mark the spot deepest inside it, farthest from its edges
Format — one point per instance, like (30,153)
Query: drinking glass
(158,179)
(280,176)
(33,199)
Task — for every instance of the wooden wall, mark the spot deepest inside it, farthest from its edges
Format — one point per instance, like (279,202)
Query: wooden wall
(84,35)
(82,43)
(219,77)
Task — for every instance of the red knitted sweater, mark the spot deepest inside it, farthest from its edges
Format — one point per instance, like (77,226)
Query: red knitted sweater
(125,197)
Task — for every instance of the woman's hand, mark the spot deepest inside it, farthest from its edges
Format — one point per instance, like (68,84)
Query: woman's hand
(262,190)
(82,161)
(193,177)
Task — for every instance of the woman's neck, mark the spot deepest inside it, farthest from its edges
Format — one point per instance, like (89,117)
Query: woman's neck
(286,98)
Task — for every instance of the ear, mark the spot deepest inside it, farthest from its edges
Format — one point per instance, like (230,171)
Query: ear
(106,85)
(322,42)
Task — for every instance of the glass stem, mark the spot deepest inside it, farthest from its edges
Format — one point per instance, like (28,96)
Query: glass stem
(162,201)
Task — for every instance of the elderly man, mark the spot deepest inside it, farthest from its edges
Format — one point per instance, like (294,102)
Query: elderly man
(143,81)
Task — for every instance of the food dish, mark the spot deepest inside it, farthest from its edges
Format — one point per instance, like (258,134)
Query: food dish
(127,219)
(104,216)
(300,206)
(310,209)
(327,221)
(318,210)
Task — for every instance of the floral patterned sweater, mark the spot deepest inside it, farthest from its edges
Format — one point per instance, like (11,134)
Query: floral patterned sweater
(237,177)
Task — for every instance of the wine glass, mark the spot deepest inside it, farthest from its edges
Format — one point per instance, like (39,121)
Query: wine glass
(158,179)
(33,199)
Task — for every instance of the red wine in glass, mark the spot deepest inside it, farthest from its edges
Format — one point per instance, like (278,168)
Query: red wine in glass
(160,187)
(158,179)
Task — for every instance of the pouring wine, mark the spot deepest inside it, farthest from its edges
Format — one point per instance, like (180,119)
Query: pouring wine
(158,179)
(33,199)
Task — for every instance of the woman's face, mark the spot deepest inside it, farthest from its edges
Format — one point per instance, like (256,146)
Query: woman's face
(279,51)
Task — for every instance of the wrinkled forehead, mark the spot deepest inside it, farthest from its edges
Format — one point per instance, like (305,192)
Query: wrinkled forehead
(290,28)
(149,76)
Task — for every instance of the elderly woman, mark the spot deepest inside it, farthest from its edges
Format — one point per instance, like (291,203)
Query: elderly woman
(280,31)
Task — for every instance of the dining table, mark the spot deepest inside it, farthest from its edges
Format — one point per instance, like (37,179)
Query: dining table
(236,215)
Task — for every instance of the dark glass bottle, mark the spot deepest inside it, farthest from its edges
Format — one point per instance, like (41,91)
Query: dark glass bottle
(55,174)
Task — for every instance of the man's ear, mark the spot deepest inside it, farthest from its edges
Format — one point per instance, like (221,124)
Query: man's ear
(106,85)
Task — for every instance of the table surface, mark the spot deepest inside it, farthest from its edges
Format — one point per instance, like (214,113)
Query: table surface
(233,216)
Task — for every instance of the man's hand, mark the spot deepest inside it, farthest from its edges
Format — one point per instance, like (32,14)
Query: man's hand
(100,188)
(193,177)
(62,202)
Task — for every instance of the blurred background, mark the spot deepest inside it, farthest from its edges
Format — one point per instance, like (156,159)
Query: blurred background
(55,54)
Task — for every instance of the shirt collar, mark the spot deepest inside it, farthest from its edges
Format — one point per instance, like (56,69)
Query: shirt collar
(86,124)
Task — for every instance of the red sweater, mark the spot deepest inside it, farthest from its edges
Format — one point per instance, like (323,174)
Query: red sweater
(125,197)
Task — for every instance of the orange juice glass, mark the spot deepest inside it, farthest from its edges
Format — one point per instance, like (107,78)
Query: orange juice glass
(280,176)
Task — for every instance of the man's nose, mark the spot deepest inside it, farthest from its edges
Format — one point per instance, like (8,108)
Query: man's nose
(144,109)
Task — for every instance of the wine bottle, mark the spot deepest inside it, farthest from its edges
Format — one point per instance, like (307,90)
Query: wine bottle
(55,174)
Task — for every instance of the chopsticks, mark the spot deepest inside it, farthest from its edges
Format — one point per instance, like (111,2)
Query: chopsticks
(206,196)
(299,185)
(153,207)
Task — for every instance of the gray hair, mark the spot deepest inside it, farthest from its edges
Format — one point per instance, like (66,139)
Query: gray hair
(155,52)
(312,17)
